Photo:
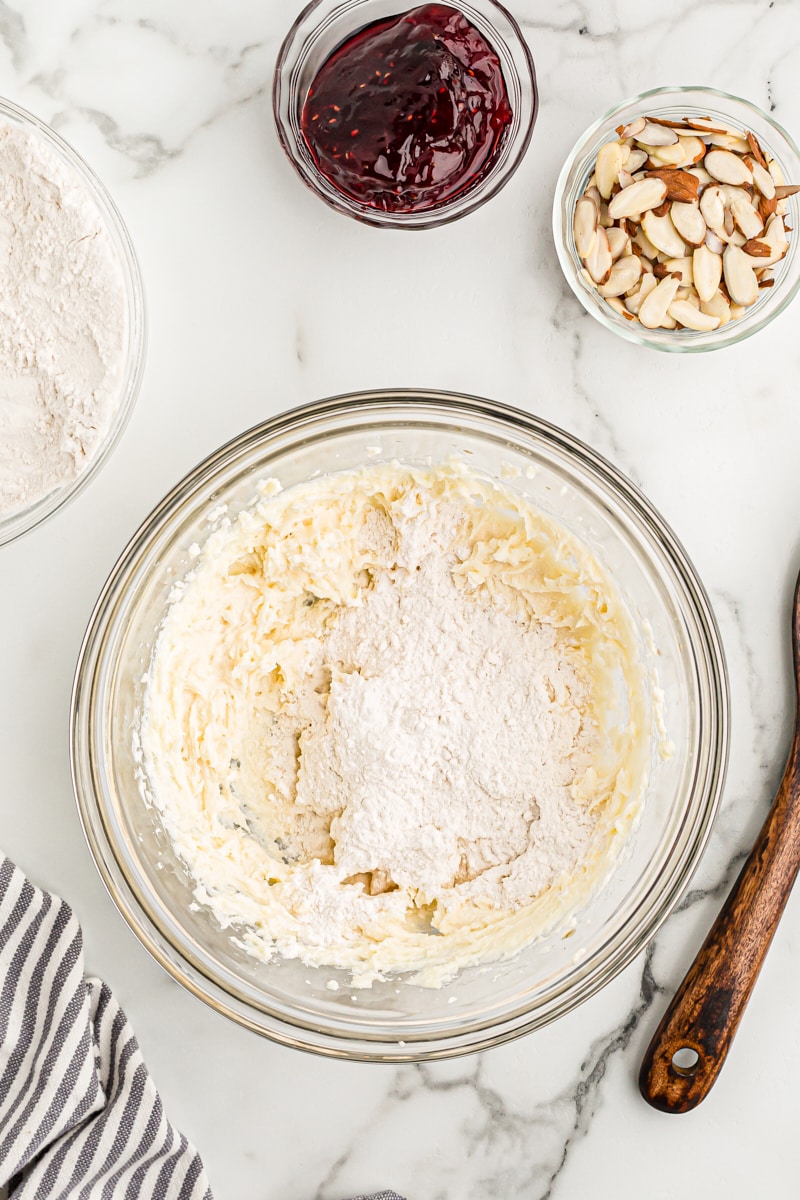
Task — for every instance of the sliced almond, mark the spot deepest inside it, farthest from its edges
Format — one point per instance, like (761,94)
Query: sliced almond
(669,124)
(638,198)
(757,249)
(634,302)
(775,237)
(655,306)
(668,156)
(786,189)
(706,272)
(693,148)
(584,226)
(717,306)
(690,317)
(704,125)
(775,171)
(636,159)
(619,307)
(656,135)
(681,186)
(755,148)
(682,267)
(663,235)
(737,311)
(767,207)
(714,242)
(747,218)
(598,260)
(763,180)
(624,275)
(740,278)
(727,167)
(625,179)
(712,206)
(642,241)
(729,141)
(618,241)
(608,167)
(634,128)
(689,222)
(701,175)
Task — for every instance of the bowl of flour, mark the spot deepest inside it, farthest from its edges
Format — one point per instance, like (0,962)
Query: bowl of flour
(72,334)
(399,726)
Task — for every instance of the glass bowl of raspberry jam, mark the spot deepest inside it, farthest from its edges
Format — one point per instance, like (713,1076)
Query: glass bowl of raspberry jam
(405,116)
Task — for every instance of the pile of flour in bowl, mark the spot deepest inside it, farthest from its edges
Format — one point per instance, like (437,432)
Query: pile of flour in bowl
(63,322)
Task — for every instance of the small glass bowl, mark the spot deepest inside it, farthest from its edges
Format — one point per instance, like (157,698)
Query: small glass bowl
(21,520)
(324,25)
(675,103)
(395,1020)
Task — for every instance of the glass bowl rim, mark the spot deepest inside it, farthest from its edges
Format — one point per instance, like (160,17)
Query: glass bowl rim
(459,206)
(22,520)
(630,331)
(627,940)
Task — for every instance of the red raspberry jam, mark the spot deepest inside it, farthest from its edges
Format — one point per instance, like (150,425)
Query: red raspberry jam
(409,112)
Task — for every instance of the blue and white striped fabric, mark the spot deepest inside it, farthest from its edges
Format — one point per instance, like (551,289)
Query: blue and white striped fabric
(80,1118)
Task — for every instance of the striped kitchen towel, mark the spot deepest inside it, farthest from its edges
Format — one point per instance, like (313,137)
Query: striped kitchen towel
(80,1118)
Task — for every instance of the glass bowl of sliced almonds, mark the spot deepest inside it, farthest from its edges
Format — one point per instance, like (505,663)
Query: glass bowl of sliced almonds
(676,219)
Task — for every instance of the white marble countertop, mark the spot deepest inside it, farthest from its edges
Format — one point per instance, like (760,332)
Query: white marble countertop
(261,298)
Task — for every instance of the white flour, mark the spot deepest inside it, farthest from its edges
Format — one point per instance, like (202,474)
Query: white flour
(382,722)
(62,322)
(450,737)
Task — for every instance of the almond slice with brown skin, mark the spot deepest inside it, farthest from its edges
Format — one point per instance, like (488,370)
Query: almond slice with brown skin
(775,236)
(682,267)
(757,152)
(663,235)
(636,159)
(638,198)
(706,272)
(617,241)
(727,167)
(656,135)
(634,302)
(692,318)
(714,242)
(631,130)
(584,226)
(688,220)
(655,307)
(607,168)
(740,278)
(757,249)
(717,306)
(747,218)
(624,275)
(763,180)
(712,206)
(681,186)
(728,141)
(694,148)
(598,260)
(786,189)
(625,179)
(667,156)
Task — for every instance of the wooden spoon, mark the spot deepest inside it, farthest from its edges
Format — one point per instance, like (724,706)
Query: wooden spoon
(689,1047)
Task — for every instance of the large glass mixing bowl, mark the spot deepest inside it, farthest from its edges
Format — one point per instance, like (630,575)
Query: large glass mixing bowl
(396,1020)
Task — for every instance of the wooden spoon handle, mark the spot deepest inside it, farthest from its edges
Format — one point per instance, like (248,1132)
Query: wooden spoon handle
(705,1013)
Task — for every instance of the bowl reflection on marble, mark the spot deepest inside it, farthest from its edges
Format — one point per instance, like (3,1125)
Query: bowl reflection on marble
(395,1020)
(677,104)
